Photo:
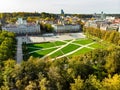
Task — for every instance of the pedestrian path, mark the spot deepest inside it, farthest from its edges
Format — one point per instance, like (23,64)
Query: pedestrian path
(19,51)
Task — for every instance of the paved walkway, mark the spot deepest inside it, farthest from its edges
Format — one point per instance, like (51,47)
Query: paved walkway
(19,50)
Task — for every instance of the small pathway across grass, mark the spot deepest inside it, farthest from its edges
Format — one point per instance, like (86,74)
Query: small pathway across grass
(19,51)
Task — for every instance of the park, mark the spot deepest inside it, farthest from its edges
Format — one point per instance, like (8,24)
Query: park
(62,48)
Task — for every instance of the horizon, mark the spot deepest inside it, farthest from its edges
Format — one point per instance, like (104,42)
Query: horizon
(54,6)
(58,13)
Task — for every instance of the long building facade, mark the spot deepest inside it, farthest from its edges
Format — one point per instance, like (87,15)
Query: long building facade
(22,28)
(66,28)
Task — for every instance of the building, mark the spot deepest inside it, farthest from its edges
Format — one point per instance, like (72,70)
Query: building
(113,27)
(62,12)
(66,28)
(91,23)
(22,27)
(119,28)
(104,26)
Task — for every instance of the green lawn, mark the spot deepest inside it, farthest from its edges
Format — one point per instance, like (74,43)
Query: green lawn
(58,43)
(65,50)
(46,44)
(83,41)
(67,40)
(41,45)
(32,49)
(81,51)
(97,45)
(69,48)
(56,54)
(42,53)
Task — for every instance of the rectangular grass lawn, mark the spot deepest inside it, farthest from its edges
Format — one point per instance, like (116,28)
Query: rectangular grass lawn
(32,49)
(81,51)
(41,45)
(67,40)
(83,41)
(46,44)
(58,43)
(56,54)
(65,50)
(97,45)
(42,53)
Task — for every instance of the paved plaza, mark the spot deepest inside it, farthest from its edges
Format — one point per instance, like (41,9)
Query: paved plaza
(46,38)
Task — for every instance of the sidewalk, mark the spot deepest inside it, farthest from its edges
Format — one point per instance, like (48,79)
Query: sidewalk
(19,50)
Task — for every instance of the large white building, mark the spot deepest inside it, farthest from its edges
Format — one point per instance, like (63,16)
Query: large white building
(21,27)
(66,28)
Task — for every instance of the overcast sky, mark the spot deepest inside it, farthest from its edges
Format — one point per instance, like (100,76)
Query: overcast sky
(54,6)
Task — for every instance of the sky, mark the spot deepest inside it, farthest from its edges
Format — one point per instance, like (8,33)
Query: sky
(55,6)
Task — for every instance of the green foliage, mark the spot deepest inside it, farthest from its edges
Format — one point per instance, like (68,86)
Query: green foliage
(7,45)
(92,83)
(110,36)
(78,85)
(44,84)
(46,27)
(86,72)
(111,83)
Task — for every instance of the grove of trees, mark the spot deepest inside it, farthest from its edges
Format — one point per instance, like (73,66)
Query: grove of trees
(96,70)
(109,36)
(46,28)
(7,45)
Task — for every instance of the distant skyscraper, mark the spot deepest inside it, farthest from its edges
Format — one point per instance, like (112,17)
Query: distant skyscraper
(62,12)
(102,16)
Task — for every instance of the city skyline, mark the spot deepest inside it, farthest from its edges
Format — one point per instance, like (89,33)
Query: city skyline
(54,6)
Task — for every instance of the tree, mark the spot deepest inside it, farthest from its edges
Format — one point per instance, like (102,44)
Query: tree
(78,85)
(31,86)
(111,83)
(8,69)
(92,83)
(44,84)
